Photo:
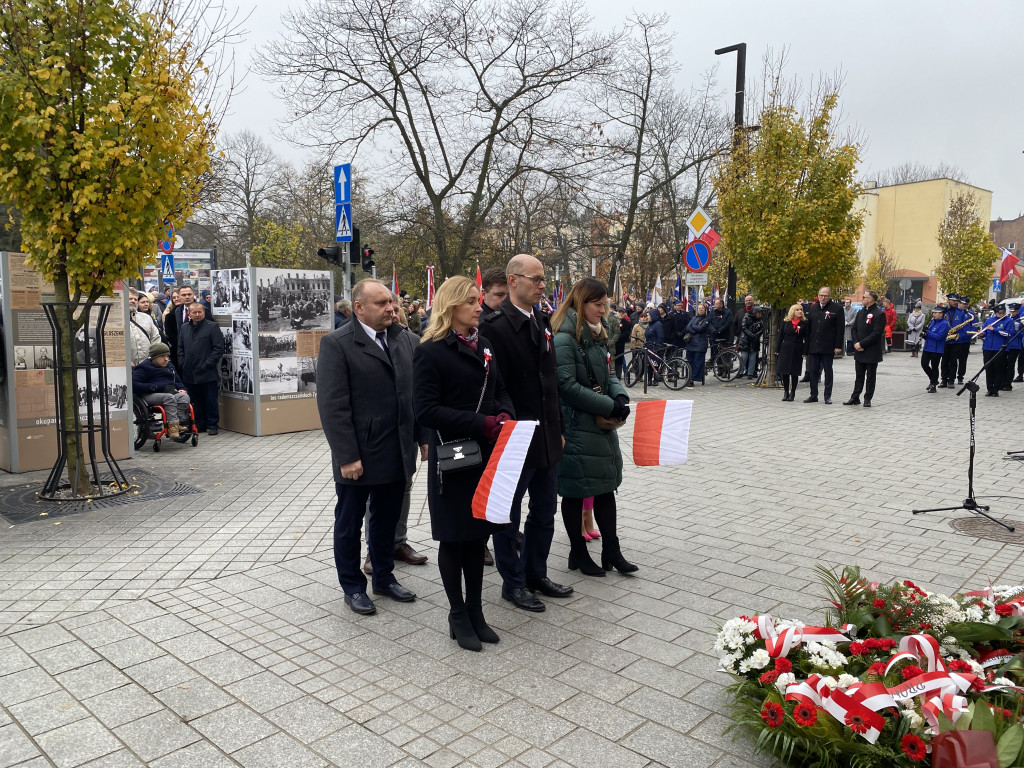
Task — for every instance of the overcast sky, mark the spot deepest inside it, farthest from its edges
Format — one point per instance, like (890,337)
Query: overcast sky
(926,82)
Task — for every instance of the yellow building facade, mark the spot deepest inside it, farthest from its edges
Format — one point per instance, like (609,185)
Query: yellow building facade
(905,218)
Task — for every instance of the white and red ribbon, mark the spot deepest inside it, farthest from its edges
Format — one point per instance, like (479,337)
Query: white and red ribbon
(779,643)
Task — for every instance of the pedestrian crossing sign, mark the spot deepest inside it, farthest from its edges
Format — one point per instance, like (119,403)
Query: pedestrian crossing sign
(167,268)
(343,223)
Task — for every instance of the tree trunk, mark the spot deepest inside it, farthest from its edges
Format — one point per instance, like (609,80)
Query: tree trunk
(77,467)
(777,316)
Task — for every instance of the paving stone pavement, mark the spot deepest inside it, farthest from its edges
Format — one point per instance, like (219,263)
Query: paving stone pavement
(209,630)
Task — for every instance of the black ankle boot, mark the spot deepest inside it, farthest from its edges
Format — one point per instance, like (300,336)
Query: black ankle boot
(580,558)
(611,557)
(461,630)
(479,624)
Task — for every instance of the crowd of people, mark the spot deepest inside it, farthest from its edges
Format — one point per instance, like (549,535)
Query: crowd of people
(175,349)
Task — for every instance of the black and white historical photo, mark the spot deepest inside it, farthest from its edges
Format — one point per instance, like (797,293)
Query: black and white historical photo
(43,357)
(220,291)
(226,373)
(229,337)
(242,375)
(294,300)
(277,344)
(117,390)
(307,374)
(279,376)
(242,332)
(22,358)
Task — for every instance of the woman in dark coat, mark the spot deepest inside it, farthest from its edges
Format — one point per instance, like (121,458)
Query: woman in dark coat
(697,346)
(452,367)
(791,347)
(591,462)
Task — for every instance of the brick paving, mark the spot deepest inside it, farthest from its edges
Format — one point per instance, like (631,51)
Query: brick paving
(209,630)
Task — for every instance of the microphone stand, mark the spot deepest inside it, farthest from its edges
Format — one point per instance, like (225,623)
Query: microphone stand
(971,503)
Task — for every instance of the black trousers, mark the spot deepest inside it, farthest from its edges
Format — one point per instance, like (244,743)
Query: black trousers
(531,562)
(994,371)
(865,380)
(954,361)
(930,363)
(815,365)
(1012,360)
(385,507)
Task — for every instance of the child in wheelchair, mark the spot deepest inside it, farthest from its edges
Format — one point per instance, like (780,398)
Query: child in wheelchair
(156,382)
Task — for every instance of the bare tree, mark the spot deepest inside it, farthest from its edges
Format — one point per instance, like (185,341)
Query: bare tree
(906,173)
(654,133)
(473,93)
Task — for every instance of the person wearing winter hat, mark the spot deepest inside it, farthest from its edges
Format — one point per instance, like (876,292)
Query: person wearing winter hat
(156,382)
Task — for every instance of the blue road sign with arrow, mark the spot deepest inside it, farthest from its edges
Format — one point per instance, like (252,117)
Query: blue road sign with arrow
(343,184)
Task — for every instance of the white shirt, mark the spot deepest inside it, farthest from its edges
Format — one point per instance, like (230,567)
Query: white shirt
(372,334)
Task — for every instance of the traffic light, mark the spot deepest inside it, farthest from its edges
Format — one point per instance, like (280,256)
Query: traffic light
(354,251)
(332,253)
(368,259)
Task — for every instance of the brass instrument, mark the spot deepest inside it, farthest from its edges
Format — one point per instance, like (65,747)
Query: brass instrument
(953,332)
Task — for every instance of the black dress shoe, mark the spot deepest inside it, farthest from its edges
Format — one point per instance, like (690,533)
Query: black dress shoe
(852,401)
(811,399)
(211,431)
(943,385)
(1018,380)
(991,394)
(360,602)
(828,401)
(959,380)
(523,598)
(867,403)
(547,587)
(396,591)
(931,389)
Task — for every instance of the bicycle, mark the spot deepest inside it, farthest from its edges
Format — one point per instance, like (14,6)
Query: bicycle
(673,370)
(725,362)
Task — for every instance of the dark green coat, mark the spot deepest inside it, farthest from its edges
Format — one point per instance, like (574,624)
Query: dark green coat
(591,463)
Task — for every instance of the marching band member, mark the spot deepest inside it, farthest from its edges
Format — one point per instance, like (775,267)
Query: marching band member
(954,359)
(1014,348)
(934,345)
(996,332)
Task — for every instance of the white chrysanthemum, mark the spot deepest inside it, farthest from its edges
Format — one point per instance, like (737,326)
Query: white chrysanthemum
(760,659)
(974,613)
(1003,681)
(916,721)
(907,703)
(976,668)
(830,681)
(845,680)
(784,680)
(789,624)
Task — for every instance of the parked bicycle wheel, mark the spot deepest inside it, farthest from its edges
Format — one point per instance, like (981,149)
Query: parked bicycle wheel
(726,365)
(677,373)
(633,372)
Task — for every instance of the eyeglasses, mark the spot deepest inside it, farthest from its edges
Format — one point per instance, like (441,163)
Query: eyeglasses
(536,280)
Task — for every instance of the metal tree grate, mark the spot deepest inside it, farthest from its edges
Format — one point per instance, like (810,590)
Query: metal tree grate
(986,529)
(21,503)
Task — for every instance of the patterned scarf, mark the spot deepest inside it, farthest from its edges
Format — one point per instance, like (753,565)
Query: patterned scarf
(469,341)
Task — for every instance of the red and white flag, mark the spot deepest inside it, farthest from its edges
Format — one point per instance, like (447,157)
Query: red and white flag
(480,283)
(1008,266)
(661,432)
(394,280)
(497,487)
(430,286)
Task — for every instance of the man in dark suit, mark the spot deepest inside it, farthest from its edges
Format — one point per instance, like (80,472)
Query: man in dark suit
(200,348)
(176,319)
(826,326)
(364,395)
(868,347)
(525,354)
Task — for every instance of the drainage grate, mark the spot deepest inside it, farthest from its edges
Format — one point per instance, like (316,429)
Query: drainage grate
(978,526)
(21,503)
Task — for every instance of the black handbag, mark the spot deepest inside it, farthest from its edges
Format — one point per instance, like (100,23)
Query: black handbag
(458,455)
(606,423)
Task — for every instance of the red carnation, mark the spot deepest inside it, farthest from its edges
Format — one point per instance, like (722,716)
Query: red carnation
(911,671)
(879,603)
(1004,609)
(805,715)
(977,684)
(772,714)
(856,722)
(925,625)
(878,668)
(858,649)
(959,665)
(783,665)
(913,746)
(1007,714)
(872,643)
(908,583)
(769,677)
(886,643)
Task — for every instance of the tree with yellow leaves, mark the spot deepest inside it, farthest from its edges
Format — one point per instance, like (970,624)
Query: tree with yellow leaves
(785,203)
(104,134)
(968,253)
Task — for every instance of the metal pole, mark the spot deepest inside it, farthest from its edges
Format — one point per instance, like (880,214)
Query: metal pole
(347,291)
(741,76)
(593,266)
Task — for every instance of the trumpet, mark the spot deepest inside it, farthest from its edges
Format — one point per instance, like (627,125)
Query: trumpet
(954,331)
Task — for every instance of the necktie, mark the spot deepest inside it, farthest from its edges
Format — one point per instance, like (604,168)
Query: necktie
(382,339)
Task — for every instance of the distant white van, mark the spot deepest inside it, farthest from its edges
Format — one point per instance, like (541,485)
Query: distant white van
(1018,300)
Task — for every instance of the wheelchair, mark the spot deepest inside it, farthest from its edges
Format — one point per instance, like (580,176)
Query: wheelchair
(151,422)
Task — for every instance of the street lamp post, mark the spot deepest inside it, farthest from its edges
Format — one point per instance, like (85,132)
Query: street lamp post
(741,76)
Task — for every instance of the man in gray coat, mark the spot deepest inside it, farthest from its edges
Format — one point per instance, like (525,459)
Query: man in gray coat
(364,394)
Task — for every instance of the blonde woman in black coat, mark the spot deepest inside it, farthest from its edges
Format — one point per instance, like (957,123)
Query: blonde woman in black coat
(791,348)
(452,367)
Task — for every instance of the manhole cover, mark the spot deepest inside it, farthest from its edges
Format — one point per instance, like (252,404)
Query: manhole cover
(21,503)
(978,526)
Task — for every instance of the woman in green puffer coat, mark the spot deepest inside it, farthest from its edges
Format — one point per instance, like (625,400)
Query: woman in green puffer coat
(591,464)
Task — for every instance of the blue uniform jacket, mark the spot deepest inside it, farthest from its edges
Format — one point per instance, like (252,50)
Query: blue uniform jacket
(1016,342)
(997,331)
(935,336)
